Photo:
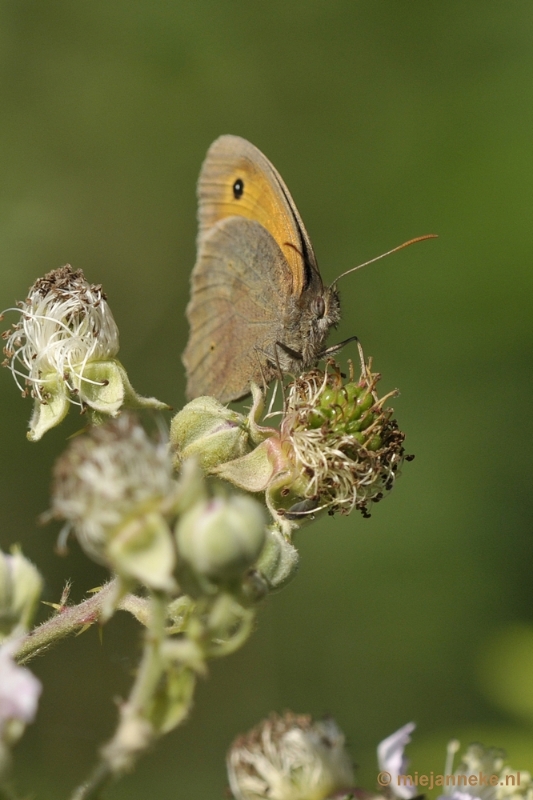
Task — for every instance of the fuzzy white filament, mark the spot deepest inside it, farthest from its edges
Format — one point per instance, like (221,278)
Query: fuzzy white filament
(342,473)
(65,322)
(290,758)
(104,477)
(487,762)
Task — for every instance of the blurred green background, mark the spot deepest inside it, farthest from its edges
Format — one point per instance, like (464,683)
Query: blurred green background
(387,120)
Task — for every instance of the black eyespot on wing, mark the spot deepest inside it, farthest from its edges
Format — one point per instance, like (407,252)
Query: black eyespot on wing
(238,189)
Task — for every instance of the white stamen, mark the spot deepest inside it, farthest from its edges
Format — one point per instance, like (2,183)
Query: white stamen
(64,323)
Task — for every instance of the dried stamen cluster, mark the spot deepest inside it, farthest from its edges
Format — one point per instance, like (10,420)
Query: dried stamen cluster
(342,438)
(65,322)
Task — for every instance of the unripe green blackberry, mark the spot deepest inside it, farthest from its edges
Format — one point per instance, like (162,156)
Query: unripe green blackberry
(337,448)
(345,447)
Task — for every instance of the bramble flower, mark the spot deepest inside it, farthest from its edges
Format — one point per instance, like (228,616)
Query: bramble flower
(114,487)
(19,697)
(501,782)
(19,694)
(391,759)
(481,775)
(289,758)
(20,588)
(62,350)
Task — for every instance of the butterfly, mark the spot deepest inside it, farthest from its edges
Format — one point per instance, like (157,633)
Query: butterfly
(258,305)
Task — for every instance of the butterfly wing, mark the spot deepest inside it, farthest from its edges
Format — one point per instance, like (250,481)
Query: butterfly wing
(238,309)
(238,180)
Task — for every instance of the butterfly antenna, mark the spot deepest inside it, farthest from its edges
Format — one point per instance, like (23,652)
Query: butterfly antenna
(388,253)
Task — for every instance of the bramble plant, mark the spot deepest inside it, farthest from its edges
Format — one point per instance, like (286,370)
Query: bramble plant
(196,530)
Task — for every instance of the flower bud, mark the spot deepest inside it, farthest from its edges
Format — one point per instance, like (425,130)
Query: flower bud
(114,487)
(20,588)
(279,560)
(62,350)
(208,431)
(290,758)
(220,537)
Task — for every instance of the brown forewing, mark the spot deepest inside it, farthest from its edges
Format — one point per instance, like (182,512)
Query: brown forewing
(238,309)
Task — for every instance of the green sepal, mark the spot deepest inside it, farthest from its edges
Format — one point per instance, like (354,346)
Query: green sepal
(252,472)
(100,387)
(137,401)
(173,699)
(104,386)
(50,412)
(142,548)
(258,433)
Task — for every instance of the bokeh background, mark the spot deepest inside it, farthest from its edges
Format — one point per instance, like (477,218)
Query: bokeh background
(387,120)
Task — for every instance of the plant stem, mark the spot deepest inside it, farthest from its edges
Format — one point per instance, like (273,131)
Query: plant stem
(100,778)
(71,620)
(151,665)
(134,733)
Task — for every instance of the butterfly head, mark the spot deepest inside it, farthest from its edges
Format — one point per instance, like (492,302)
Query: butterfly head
(323,314)
(328,308)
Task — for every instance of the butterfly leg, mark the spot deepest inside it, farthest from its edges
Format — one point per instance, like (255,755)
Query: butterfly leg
(294,354)
(336,348)
(261,370)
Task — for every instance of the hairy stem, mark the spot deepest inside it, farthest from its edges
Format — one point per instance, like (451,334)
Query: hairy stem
(70,620)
